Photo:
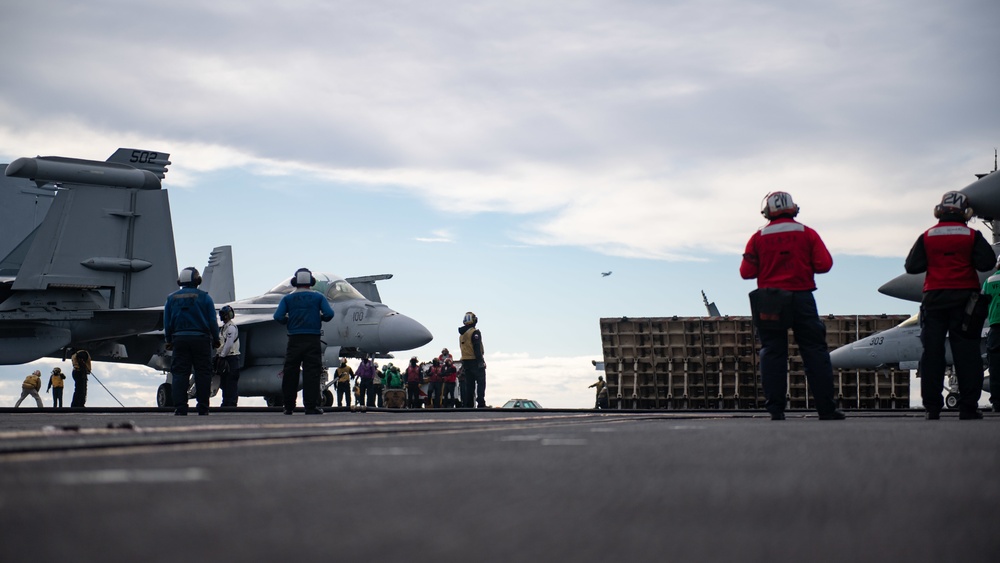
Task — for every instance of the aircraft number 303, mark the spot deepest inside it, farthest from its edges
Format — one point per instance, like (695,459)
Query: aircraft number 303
(143,157)
(876,341)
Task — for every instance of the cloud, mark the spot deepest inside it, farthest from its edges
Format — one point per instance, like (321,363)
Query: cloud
(555,382)
(440,235)
(634,129)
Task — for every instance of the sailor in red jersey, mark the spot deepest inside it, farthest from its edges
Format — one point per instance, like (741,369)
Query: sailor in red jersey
(785,255)
(950,253)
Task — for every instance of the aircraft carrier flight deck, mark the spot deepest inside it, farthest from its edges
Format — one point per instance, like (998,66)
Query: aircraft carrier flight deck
(496,485)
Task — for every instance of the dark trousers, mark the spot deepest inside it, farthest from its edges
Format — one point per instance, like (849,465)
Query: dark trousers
(379,391)
(57,401)
(810,335)
(303,350)
(368,392)
(434,393)
(413,395)
(993,356)
(230,381)
(79,389)
(344,391)
(474,385)
(935,326)
(191,352)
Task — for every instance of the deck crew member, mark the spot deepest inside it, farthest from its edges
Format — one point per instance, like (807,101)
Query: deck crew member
(57,382)
(31,385)
(601,401)
(470,341)
(784,256)
(950,253)
(344,375)
(191,331)
(304,312)
(81,367)
(228,357)
(991,287)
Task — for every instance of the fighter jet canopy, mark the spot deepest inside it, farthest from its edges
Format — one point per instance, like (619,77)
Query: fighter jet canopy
(333,286)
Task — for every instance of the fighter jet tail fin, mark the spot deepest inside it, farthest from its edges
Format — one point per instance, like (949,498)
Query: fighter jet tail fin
(366,286)
(155,162)
(115,239)
(218,279)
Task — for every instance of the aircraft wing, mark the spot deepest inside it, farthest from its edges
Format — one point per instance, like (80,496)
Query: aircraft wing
(257,314)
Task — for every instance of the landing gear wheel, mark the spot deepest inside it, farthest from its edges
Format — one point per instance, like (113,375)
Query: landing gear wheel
(951,400)
(327,398)
(164,398)
(273,401)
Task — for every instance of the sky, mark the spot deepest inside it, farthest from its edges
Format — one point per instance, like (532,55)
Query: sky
(496,157)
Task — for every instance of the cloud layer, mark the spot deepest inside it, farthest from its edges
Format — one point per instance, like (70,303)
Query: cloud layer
(640,129)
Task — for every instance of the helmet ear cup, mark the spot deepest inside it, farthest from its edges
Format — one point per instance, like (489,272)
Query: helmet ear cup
(954,203)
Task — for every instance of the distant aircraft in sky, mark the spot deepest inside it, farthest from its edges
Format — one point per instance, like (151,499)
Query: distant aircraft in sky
(605,274)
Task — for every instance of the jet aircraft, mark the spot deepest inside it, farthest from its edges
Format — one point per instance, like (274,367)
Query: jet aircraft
(359,326)
(89,271)
(898,348)
(984,198)
(95,272)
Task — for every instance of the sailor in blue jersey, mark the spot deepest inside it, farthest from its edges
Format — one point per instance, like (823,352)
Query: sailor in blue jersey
(303,311)
(191,332)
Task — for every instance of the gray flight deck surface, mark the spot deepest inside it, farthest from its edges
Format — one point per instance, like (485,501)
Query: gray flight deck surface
(254,485)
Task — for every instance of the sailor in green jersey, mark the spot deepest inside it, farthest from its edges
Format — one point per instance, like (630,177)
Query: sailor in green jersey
(991,287)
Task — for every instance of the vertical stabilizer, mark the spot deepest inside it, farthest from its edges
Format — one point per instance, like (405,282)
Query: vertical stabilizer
(218,279)
(155,162)
(116,240)
(366,286)
(23,205)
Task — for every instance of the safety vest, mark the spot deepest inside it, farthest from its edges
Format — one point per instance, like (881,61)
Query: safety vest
(949,257)
(466,345)
(57,380)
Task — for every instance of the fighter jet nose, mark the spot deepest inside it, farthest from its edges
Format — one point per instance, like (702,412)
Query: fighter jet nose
(399,332)
(839,357)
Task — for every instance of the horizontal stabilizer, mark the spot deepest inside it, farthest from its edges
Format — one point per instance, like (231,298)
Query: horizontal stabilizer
(72,171)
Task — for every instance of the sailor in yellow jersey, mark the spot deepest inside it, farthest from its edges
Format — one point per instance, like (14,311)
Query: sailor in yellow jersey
(57,381)
(31,385)
(470,341)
